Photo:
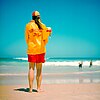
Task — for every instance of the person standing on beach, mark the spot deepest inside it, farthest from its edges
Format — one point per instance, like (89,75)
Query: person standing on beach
(36,35)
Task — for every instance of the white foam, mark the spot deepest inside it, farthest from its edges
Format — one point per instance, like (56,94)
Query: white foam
(66,63)
(23,58)
(71,63)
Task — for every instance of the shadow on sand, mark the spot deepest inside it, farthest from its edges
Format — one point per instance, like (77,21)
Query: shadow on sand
(25,90)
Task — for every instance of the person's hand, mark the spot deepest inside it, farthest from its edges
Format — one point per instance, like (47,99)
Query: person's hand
(49,30)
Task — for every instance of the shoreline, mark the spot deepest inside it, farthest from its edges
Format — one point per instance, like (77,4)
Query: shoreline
(51,79)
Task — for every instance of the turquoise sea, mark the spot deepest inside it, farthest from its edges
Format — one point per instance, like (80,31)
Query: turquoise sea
(55,71)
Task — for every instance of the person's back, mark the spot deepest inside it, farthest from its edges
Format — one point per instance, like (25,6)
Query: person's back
(35,41)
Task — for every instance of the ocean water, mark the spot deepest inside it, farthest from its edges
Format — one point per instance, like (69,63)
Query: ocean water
(55,70)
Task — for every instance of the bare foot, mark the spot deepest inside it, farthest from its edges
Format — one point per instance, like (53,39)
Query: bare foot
(30,91)
(40,90)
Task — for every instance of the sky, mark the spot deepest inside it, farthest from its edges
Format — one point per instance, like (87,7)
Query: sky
(75,27)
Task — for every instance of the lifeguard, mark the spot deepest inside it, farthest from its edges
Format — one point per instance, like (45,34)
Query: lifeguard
(36,35)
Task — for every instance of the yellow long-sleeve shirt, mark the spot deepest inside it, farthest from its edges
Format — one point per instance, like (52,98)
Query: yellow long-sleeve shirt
(36,39)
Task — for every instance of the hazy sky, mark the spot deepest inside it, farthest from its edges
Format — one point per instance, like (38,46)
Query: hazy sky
(75,25)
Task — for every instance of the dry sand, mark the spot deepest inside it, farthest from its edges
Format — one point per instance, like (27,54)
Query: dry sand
(51,92)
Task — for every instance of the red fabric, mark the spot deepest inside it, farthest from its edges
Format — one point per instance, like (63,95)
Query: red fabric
(49,30)
(39,58)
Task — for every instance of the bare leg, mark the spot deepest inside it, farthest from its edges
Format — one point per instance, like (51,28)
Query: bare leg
(39,75)
(31,75)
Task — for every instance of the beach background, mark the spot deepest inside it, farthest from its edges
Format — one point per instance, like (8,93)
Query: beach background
(60,76)
(55,71)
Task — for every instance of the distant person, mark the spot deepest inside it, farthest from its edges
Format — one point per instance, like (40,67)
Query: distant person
(80,64)
(36,35)
(90,63)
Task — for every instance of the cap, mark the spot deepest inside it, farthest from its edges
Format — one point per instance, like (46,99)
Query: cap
(35,13)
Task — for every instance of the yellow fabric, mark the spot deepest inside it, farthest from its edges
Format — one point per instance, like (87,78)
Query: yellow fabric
(36,39)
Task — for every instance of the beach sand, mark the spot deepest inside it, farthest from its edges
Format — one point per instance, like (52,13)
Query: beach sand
(51,92)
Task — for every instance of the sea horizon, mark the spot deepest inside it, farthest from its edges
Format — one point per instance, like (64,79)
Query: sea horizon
(54,57)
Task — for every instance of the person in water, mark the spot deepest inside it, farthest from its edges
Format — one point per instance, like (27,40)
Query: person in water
(90,63)
(80,64)
(36,35)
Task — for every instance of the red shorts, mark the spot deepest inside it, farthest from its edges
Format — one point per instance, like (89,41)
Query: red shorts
(38,58)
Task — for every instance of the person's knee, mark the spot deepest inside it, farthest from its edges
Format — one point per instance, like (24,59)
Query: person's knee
(31,66)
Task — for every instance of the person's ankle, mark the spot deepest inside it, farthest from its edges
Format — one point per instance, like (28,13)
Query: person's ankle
(39,90)
(30,90)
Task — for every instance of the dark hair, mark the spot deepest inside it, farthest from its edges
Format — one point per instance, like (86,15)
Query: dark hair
(36,18)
